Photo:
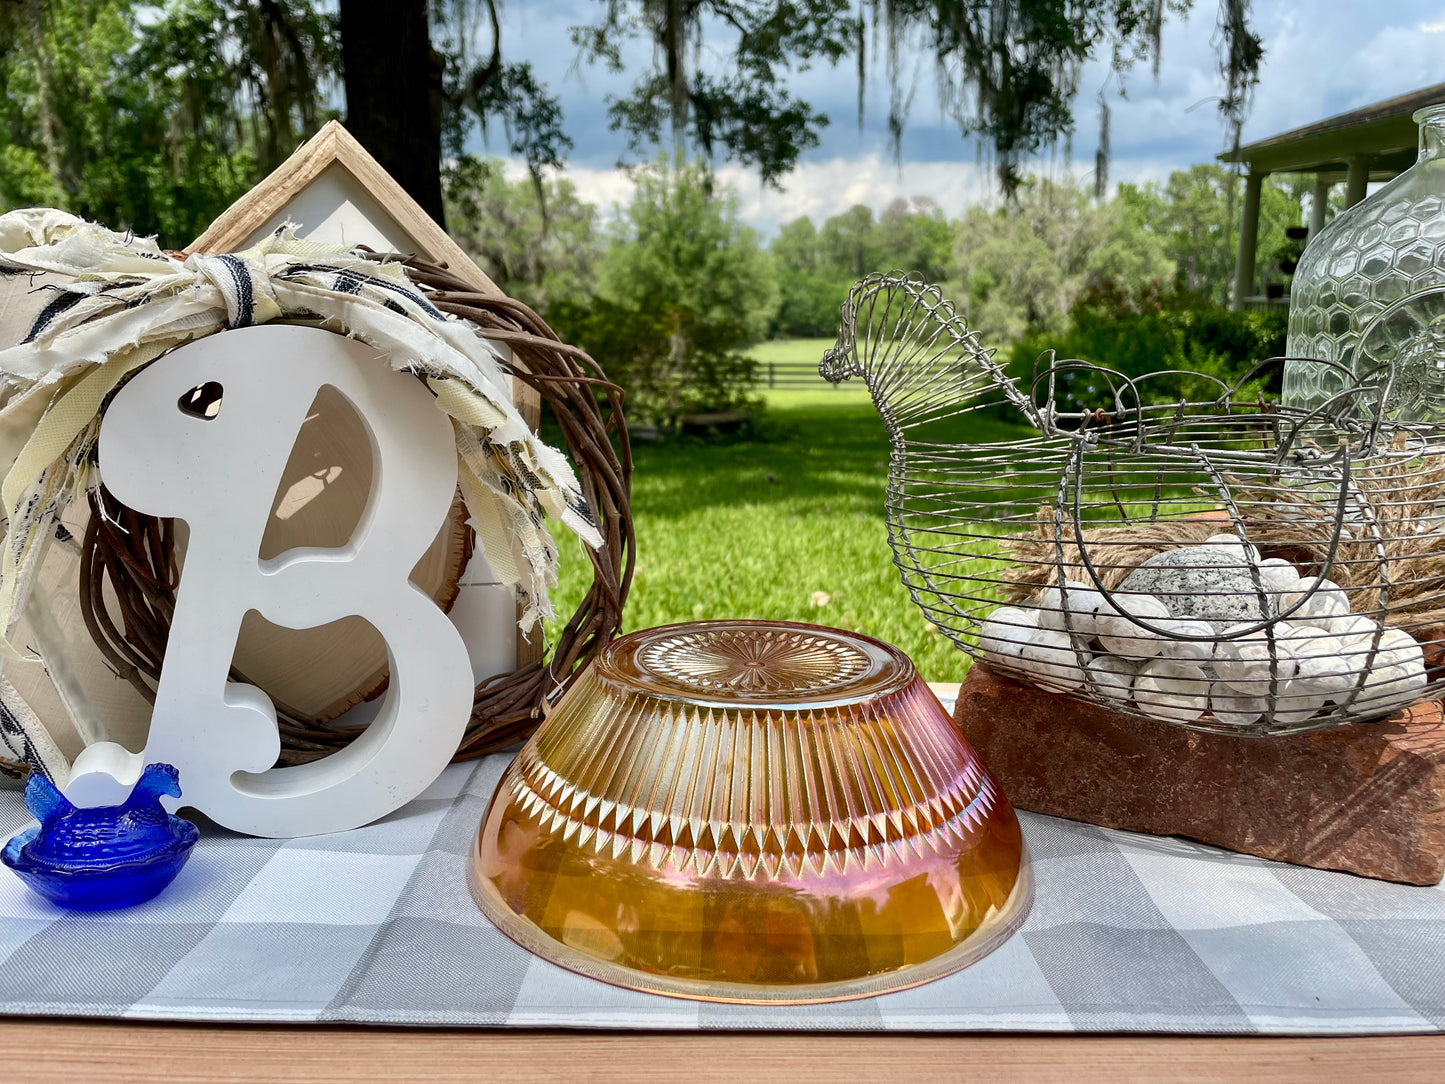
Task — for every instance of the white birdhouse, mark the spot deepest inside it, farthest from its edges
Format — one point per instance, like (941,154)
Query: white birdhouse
(338,193)
(322,539)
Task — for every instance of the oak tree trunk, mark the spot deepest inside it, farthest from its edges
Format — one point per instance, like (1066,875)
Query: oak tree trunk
(393,80)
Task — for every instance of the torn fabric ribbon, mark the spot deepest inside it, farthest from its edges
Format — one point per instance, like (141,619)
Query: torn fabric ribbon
(120,302)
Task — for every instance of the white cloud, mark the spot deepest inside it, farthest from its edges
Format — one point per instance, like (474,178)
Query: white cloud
(604,187)
(1317,65)
(1322,57)
(816,189)
(1401,58)
(820,190)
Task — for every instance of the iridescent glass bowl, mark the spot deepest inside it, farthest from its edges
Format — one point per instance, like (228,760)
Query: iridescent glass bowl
(752,811)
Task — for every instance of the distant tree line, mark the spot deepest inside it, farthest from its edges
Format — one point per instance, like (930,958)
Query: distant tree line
(673,288)
(1019,268)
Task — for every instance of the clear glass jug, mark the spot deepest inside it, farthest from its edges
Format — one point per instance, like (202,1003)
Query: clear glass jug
(1369,293)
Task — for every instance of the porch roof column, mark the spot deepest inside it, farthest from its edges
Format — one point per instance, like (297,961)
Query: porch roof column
(1248,240)
(1357,179)
(1321,201)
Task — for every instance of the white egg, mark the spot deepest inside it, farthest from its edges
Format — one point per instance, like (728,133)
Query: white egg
(1051,661)
(1119,635)
(1343,625)
(1323,667)
(1295,702)
(1390,687)
(1003,634)
(1396,671)
(1278,575)
(1399,648)
(1197,651)
(1235,708)
(1176,692)
(1112,677)
(1246,551)
(1082,603)
(1322,598)
(1243,661)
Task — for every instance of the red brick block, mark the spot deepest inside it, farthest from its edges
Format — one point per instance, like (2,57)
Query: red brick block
(1367,798)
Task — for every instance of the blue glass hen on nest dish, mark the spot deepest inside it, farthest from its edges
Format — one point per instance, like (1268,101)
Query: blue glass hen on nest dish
(105,857)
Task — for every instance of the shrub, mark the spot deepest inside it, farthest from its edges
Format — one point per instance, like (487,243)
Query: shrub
(809,304)
(641,350)
(685,291)
(1182,335)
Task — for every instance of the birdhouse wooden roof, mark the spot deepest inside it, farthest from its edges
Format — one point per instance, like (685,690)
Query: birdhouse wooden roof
(338,192)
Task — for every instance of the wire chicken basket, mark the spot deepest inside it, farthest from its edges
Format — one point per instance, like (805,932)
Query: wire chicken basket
(1224,564)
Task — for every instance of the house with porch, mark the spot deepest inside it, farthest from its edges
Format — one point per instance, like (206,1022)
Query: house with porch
(1374,143)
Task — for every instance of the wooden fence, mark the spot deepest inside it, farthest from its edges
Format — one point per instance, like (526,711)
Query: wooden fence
(794,375)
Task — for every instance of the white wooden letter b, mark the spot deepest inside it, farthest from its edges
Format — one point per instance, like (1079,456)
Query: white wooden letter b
(220,475)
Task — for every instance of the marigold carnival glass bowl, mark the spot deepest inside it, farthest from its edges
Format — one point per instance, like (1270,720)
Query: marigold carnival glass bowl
(752,811)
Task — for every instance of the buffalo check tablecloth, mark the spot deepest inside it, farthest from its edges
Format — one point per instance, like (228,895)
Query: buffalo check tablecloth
(1128,933)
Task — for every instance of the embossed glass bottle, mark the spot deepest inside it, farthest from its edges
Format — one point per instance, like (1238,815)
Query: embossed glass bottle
(1370,291)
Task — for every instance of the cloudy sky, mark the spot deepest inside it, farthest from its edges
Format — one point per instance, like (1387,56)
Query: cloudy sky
(1322,57)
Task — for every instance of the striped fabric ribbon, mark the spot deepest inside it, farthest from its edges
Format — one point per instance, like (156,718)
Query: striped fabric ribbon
(120,302)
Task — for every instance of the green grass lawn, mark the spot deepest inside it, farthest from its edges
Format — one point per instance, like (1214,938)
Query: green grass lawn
(785,527)
(792,352)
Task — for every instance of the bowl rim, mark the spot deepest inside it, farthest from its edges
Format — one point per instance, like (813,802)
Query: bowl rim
(990,935)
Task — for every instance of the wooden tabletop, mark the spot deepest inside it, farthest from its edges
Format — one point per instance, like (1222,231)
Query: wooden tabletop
(41,1051)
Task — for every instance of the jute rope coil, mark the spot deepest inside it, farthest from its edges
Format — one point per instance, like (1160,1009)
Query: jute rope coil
(128,560)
